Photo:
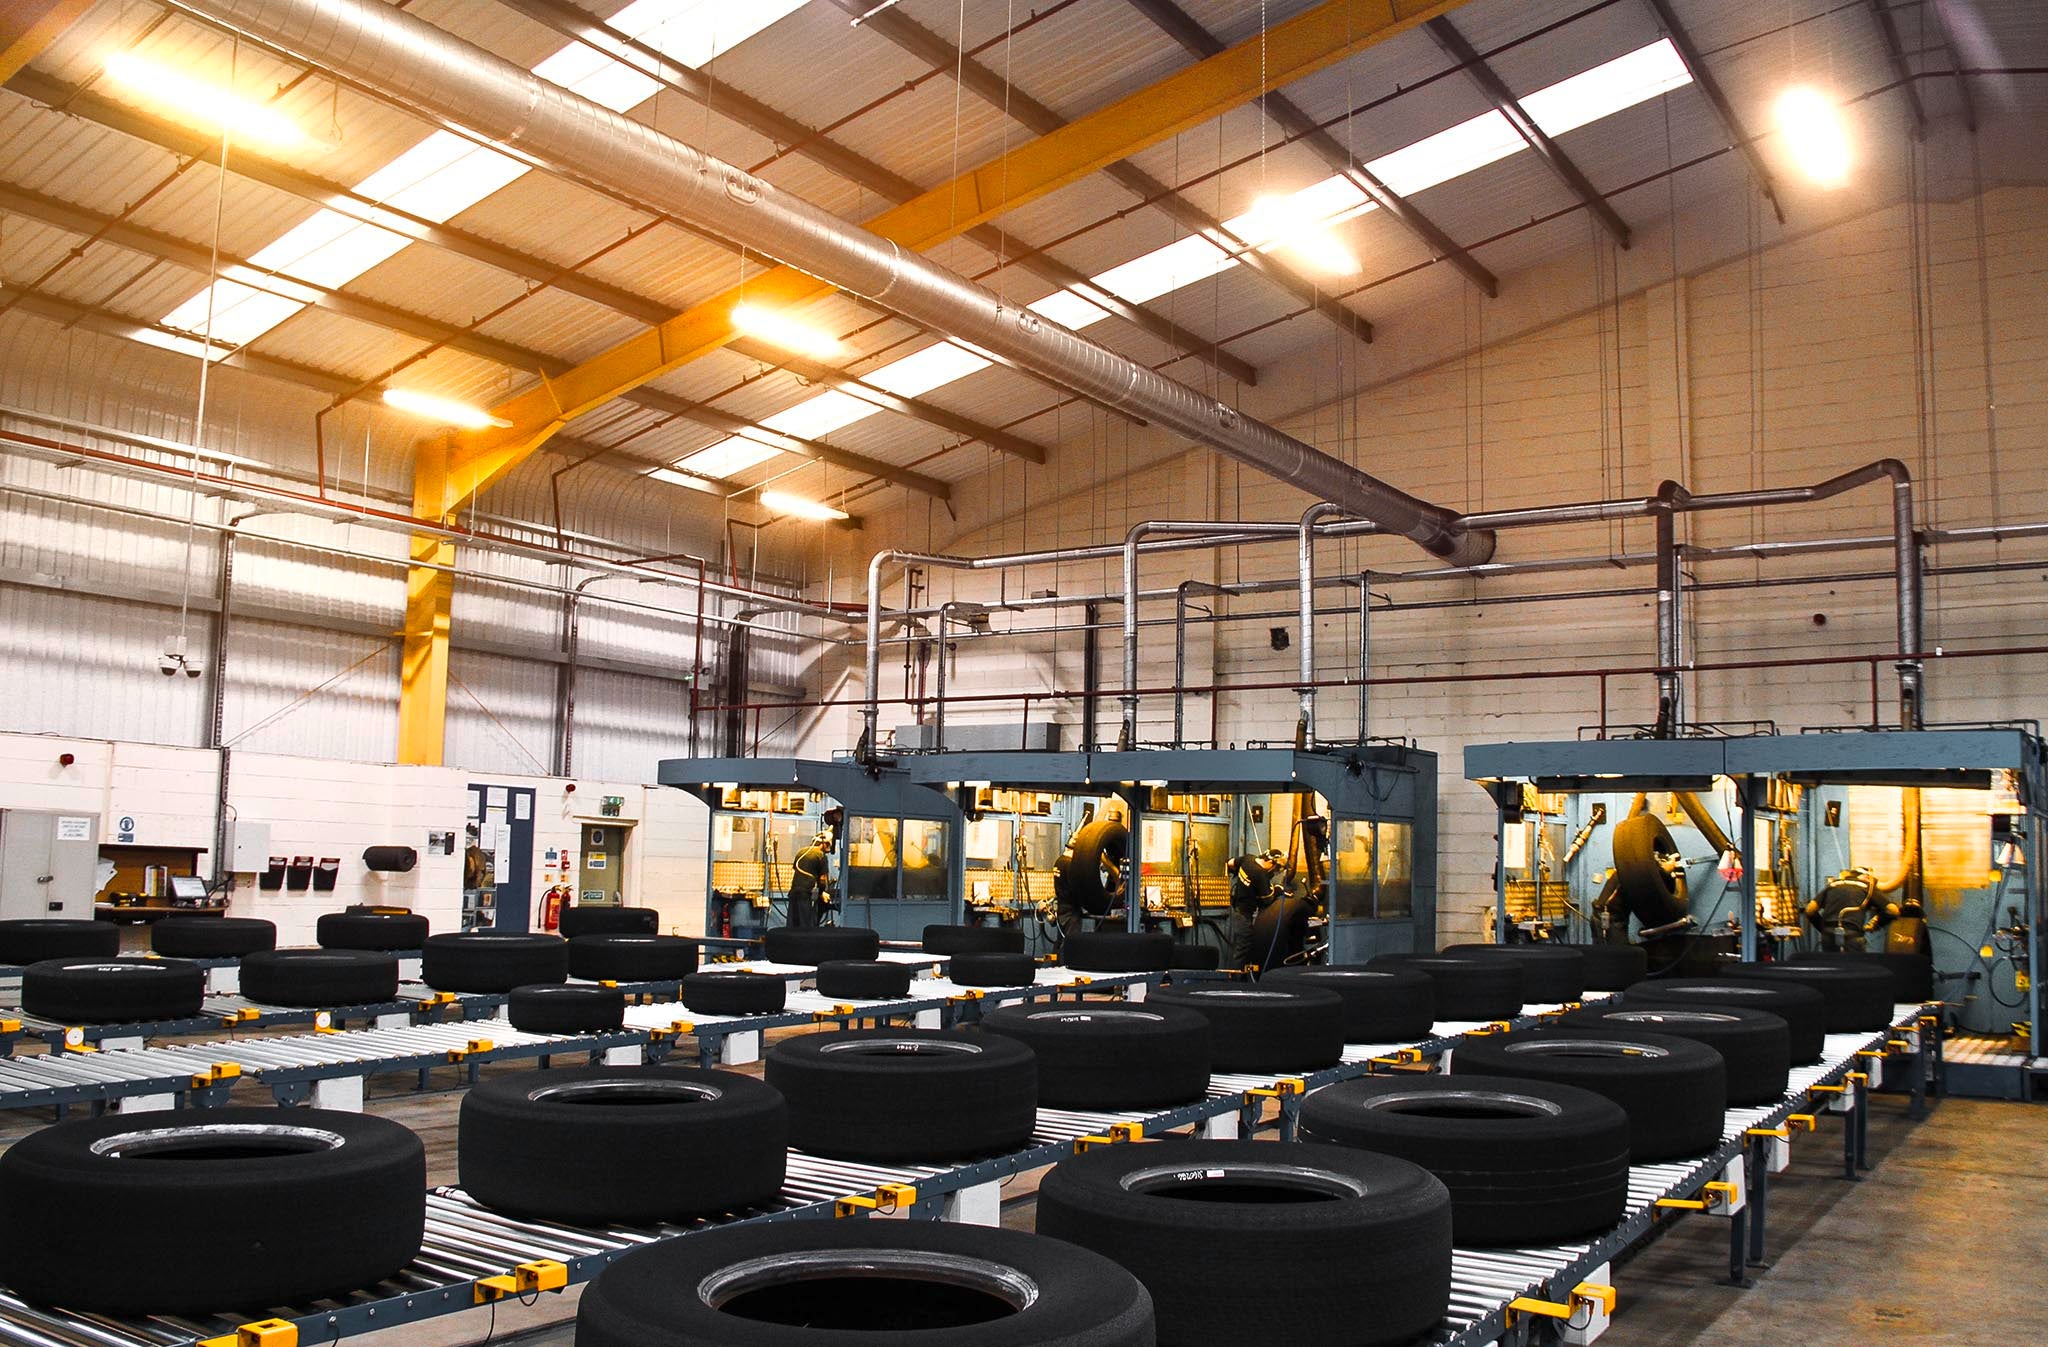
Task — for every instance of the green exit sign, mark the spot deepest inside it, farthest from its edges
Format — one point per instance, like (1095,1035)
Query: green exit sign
(613,804)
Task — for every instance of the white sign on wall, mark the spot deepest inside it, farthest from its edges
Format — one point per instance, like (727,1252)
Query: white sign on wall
(74,828)
(125,829)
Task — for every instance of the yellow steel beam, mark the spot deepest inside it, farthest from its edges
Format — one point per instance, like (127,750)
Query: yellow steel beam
(28,27)
(429,597)
(1301,46)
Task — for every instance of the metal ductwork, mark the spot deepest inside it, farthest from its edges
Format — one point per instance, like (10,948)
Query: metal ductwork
(466,89)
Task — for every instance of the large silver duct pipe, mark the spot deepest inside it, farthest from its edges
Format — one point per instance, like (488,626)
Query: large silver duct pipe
(466,89)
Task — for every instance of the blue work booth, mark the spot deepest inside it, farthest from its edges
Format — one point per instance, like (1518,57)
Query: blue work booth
(893,853)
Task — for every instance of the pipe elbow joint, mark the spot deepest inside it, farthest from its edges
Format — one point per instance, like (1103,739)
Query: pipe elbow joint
(1461,546)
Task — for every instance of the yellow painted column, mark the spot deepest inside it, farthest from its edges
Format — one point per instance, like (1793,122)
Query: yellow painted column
(429,598)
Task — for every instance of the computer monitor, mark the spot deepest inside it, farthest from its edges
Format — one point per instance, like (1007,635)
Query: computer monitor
(188,888)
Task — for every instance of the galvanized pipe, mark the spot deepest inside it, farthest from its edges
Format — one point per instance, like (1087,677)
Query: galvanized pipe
(1305,722)
(474,93)
(1670,689)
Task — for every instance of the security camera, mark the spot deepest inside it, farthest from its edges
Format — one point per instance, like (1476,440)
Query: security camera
(191,671)
(167,664)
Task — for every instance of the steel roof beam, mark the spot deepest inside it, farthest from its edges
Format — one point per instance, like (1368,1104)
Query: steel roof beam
(1731,125)
(1183,28)
(573,22)
(28,27)
(991,88)
(1955,60)
(1504,101)
(1895,51)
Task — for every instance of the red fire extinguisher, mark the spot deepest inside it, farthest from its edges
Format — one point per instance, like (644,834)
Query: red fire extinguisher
(551,904)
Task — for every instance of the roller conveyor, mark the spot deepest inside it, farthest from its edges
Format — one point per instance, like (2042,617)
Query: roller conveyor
(465,1242)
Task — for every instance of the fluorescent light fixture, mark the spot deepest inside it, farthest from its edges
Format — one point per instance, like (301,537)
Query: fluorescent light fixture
(1286,223)
(445,410)
(730,455)
(790,334)
(1815,134)
(781,502)
(198,102)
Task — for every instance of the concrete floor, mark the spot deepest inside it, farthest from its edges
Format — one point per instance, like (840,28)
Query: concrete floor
(1938,1244)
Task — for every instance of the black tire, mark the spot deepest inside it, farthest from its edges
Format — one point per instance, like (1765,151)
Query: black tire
(581,921)
(36,939)
(1189,957)
(113,991)
(562,1008)
(211,937)
(949,940)
(1675,1091)
(863,979)
(1098,1055)
(860,1282)
(991,970)
(1858,996)
(1912,974)
(889,1095)
(1381,1005)
(1291,1027)
(1804,1010)
(1479,1134)
(492,961)
(1118,951)
(1552,975)
(1468,988)
(371,930)
(1280,932)
(1095,872)
(1243,1241)
(1755,1045)
(320,977)
(735,993)
(1649,890)
(607,1144)
(632,958)
(323,1203)
(1614,968)
(809,946)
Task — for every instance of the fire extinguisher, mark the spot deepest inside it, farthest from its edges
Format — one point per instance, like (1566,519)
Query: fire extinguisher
(551,904)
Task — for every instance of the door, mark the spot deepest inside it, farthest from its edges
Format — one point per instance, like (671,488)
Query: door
(601,873)
(47,864)
(498,866)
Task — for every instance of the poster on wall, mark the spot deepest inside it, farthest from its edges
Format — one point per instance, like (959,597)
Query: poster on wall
(501,846)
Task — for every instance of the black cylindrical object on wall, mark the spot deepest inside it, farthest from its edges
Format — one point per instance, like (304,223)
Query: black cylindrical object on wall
(393,860)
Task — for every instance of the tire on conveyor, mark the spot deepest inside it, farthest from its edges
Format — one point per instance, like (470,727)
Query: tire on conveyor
(1674,1090)
(604,919)
(1293,1026)
(950,940)
(397,931)
(863,979)
(121,990)
(566,1008)
(792,1283)
(1118,951)
(312,1203)
(610,1144)
(1912,974)
(991,970)
(1381,1005)
(1859,996)
(212,937)
(738,992)
(891,1095)
(34,939)
(493,961)
(1468,987)
(809,946)
(320,977)
(1102,1055)
(1551,974)
(1755,1045)
(1614,968)
(1482,1135)
(632,958)
(1242,1241)
(1189,957)
(1803,1009)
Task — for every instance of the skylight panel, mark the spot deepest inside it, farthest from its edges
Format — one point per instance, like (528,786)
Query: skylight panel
(240,314)
(928,369)
(727,457)
(1450,153)
(821,415)
(1608,88)
(694,31)
(682,479)
(1068,309)
(1181,263)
